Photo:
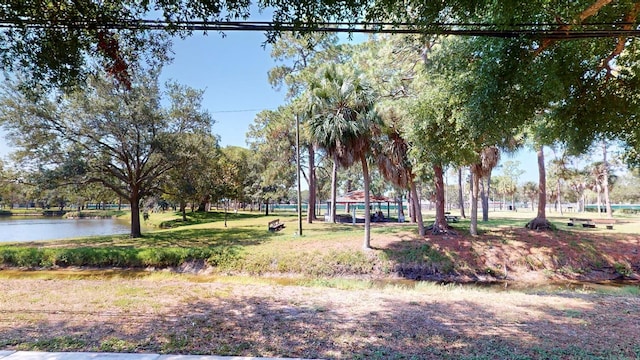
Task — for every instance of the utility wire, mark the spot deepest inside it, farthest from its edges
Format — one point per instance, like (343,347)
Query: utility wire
(542,30)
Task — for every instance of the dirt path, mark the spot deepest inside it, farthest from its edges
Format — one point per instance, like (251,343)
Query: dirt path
(175,314)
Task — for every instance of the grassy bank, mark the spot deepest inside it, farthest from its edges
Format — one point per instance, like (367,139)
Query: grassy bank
(504,250)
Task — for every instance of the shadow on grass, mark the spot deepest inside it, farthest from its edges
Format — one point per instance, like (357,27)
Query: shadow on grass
(237,236)
(203,217)
(415,259)
(422,327)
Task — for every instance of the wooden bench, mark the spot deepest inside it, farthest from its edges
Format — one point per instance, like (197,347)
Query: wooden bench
(591,223)
(275,225)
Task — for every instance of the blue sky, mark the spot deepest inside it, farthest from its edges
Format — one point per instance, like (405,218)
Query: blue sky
(233,72)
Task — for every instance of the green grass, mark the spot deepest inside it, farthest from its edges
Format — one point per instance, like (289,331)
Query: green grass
(244,246)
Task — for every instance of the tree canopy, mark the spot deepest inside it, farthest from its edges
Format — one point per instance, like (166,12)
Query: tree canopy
(122,139)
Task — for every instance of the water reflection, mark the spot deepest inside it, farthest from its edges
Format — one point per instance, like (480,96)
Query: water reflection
(41,228)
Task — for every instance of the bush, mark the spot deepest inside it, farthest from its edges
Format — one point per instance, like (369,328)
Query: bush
(28,258)
(114,257)
(223,257)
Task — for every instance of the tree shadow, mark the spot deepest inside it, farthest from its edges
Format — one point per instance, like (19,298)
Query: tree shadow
(232,236)
(415,259)
(368,325)
(205,217)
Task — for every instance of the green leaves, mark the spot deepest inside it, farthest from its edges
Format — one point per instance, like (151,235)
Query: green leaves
(123,140)
(344,116)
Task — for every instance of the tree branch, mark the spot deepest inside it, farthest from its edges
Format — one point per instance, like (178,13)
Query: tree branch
(588,12)
(629,20)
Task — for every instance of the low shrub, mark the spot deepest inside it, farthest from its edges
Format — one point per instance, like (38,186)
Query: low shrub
(113,257)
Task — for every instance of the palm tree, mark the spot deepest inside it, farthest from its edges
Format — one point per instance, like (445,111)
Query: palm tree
(343,123)
(394,164)
(601,182)
(530,190)
(605,180)
(578,184)
(489,158)
(561,172)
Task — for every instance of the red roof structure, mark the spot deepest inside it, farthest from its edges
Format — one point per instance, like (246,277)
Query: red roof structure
(357,196)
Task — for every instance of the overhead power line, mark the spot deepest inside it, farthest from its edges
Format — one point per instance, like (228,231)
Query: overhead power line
(545,30)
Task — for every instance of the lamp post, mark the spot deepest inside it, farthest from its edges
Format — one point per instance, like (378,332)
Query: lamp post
(298,175)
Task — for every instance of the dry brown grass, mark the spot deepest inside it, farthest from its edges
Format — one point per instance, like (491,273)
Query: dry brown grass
(201,315)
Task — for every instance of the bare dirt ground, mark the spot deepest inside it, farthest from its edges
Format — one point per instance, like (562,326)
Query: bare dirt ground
(199,315)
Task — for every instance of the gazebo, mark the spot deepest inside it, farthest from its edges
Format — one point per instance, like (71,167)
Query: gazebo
(357,197)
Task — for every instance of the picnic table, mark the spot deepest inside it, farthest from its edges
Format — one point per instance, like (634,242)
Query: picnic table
(591,223)
(451,218)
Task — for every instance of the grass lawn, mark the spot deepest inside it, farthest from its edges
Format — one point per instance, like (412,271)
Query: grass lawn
(242,290)
(332,319)
(242,245)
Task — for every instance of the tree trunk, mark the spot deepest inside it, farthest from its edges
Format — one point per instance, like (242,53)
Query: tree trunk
(605,181)
(579,199)
(484,196)
(542,185)
(401,207)
(367,211)
(559,196)
(266,210)
(440,225)
(311,213)
(541,222)
(416,204)
(225,211)
(489,195)
(461,193)
(415,208)
(183,210)
(410,205)
(334,190)
(135,215)
(348,189)
(203,204)
(475,185)
(599,201)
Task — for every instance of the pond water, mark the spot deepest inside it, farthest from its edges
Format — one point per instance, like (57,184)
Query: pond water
(40,228)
